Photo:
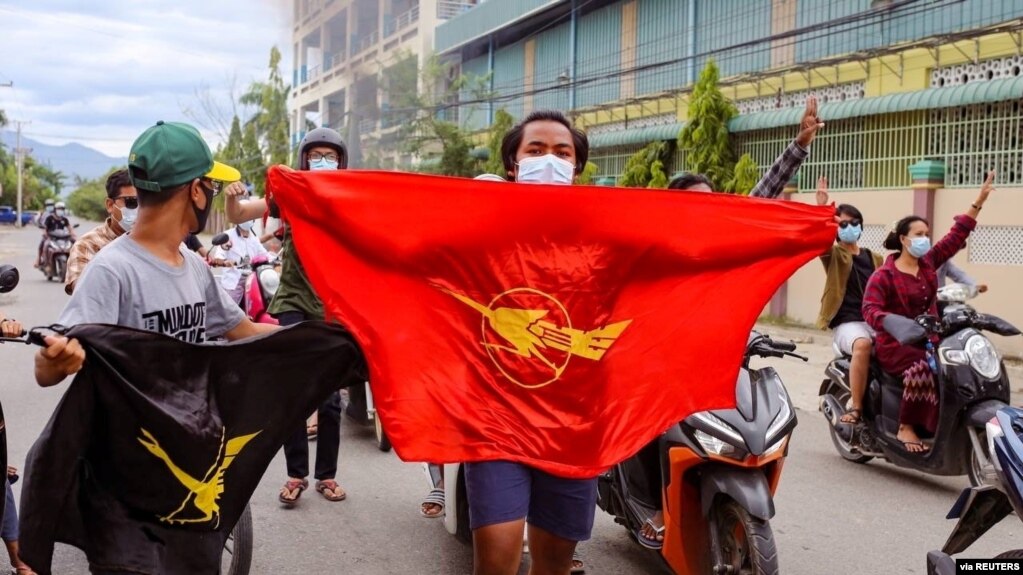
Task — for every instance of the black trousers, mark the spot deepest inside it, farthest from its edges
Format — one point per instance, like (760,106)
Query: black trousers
(328,430)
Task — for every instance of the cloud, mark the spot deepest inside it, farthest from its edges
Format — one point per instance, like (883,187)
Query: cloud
(101,72)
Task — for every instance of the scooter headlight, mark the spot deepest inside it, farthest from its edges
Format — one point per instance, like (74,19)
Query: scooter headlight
(712,444)
(983,357)
(270,280)
(776,446)
(780,420)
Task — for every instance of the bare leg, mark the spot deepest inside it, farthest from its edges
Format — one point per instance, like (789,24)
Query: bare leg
(19,566)
(497,549)
(550,554)
(859,367)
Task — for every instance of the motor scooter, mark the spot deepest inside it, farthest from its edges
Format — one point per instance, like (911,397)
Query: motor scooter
(972,386)
(978,509)
(56,249)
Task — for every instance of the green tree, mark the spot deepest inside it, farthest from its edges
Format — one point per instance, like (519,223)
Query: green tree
(426,133)
(251,164)
(89,199)
(270,120)
(745,176)
(503,121)
(705,135)
(646,167)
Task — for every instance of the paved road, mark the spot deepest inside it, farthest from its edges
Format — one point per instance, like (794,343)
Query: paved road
(833,516)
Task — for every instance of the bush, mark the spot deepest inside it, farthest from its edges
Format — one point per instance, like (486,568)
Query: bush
(89,201)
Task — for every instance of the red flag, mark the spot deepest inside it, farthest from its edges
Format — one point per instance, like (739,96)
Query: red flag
(558,326)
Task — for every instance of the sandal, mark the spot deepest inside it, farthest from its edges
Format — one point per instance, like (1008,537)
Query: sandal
(435,498)
(578,568)
(922,448)
(854,417)
(330,490)
(655,544)
(291,491)
(310,431)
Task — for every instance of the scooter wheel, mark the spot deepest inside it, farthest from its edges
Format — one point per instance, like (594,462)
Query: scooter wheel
(747,542)
(383,443)
(1014,554)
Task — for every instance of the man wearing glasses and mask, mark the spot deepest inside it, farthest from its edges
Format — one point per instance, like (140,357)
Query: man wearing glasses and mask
(122,209)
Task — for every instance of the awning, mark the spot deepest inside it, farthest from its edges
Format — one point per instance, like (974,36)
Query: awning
(998,90)
(633,136)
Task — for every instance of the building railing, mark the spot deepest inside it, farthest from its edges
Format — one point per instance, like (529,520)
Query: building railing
(363,43)
(448,9)
(392,25)
(334,59)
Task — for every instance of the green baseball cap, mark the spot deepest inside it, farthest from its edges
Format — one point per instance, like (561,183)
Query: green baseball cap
(170,154)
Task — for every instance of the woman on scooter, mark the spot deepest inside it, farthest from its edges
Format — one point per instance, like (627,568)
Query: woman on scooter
(907,285)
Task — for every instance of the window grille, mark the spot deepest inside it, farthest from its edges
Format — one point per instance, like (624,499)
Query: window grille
(997,245)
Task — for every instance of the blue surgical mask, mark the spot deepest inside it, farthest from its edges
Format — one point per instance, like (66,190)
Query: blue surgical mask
(128,218)
(918,247)
(850,234)
(247,226)
(548,169)
(322,164)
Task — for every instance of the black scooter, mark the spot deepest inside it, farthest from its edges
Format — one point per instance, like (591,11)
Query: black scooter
(981,508)
(718,473)
(972,387)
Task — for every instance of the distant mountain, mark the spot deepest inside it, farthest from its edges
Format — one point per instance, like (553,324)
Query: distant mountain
(72,159)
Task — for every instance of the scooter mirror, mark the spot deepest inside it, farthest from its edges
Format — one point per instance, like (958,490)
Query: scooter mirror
(220,239)
(905,330)
(9,277)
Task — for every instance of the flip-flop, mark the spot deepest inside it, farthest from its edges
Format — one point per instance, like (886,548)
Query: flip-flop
(310,431)
(327,487)
(650,543)
(435,497)
(296,485)
(857,417)
(920,444)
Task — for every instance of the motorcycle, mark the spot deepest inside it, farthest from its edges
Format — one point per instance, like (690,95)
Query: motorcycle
(719,470)
(56,249)
(972,386)
(980,508)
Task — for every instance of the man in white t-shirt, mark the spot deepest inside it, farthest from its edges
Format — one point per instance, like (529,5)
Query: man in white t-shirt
(242,245)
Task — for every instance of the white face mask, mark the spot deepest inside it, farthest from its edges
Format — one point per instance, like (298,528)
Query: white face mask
(128,218)
(247,226)
(548,169)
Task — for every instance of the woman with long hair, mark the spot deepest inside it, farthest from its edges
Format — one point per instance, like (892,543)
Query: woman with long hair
(907,285)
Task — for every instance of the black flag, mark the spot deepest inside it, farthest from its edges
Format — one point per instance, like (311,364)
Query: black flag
(156,447)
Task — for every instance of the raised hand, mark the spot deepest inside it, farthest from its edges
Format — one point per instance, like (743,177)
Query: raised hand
(810,123)
(822,191)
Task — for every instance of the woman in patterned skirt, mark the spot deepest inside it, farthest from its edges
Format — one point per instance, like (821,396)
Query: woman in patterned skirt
(907,285)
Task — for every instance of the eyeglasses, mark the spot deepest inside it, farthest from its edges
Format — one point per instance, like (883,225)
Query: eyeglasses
(213,185)
(329,156)
(130,202)
(846,223)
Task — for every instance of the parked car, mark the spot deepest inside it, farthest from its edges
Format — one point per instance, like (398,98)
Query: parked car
(8,215)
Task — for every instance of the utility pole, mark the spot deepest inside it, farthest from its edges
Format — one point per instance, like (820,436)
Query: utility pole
(19,158)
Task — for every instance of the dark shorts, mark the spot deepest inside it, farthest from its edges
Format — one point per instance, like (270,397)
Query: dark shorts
(502,491)
(9,532)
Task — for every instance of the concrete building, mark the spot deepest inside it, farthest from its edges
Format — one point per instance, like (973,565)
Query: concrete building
(901,80)
(342,52)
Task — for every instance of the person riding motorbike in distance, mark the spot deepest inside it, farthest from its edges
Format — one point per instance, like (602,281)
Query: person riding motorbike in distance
(906,285)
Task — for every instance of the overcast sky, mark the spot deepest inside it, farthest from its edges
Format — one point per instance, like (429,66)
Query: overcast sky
(99,73)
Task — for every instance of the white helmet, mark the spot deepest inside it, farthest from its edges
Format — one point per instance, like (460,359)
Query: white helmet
(59,206)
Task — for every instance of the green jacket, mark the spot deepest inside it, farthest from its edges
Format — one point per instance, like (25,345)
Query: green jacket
(294,293)
(838,265)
